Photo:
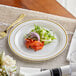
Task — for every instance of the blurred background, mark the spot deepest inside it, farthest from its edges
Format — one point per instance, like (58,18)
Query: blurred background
(70,5)
(65,8)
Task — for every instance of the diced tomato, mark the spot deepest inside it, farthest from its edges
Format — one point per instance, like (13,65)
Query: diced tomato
(36,45)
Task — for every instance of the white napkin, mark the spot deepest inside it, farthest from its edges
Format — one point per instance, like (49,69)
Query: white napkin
(72,48)
(33,72)
(73,69)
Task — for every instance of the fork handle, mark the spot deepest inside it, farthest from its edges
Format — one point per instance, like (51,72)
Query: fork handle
(18,20)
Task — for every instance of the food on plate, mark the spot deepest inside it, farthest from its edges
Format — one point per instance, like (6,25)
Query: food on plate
(38,37)
(34,44)
(7,65)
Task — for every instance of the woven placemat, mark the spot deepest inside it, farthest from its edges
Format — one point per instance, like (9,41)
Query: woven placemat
(9,14)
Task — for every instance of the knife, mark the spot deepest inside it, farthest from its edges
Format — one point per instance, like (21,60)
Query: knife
(62,71)
(72,47)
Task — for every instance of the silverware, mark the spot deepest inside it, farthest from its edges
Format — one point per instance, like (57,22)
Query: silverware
(72,47)
(4,33)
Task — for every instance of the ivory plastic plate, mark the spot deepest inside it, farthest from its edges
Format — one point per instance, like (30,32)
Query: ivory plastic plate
(51,50)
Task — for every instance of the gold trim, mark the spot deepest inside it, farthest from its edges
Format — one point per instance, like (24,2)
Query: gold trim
(42,58)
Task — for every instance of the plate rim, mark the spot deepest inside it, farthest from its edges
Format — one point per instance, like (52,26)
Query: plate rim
(43,58)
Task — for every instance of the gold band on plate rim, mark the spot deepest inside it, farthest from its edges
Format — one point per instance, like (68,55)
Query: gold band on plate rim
(42,58)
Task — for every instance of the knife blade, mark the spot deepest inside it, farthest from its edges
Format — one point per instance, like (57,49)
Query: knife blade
(72,47)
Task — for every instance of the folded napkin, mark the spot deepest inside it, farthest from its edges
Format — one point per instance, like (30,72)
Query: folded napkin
(73,69)
(72,48)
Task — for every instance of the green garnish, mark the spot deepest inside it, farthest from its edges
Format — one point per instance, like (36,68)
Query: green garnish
(45,35)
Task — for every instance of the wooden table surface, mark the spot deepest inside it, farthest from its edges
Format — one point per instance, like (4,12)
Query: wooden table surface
(47,6)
